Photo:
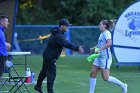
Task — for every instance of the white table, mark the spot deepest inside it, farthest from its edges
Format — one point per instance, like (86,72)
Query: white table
(20,54)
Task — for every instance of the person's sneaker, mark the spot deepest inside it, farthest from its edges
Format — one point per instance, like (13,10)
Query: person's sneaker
(125,88)
(39,89)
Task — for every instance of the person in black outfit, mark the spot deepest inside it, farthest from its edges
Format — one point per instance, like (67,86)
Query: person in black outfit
(52,52)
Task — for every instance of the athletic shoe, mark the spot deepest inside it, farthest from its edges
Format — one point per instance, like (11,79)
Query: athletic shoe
(125,88)
(39,89)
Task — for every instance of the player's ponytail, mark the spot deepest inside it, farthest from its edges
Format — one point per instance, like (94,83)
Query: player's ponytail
(112,24)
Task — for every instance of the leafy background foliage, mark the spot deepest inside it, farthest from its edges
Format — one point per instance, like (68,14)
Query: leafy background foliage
(79,12)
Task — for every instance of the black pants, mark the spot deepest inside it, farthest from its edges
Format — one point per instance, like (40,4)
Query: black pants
(2,64)
(49,71)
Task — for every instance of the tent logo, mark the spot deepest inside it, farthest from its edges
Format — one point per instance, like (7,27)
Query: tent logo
(133,19)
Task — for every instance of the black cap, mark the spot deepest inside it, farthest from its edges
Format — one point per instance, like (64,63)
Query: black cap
(64,22)
(3,16)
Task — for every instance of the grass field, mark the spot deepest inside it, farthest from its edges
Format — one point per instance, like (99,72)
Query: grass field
(73,75)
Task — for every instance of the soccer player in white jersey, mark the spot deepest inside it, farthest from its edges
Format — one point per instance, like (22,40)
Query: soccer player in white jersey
(103,62)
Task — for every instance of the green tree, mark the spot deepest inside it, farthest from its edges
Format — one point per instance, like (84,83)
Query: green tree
(79,12)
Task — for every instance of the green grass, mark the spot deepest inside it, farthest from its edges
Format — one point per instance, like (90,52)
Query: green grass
(73,75)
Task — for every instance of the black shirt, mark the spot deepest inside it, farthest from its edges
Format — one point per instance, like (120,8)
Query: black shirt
(56,42)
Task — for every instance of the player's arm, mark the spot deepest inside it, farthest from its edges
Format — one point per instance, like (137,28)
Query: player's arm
(64,43)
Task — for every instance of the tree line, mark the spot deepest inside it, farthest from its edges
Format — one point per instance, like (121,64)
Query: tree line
(79,12)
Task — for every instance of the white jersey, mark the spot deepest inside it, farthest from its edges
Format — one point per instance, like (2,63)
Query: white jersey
(101,42)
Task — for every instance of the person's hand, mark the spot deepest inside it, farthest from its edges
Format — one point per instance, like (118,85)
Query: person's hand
(8,46)
(97,50)
(81,50)
(92,49)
